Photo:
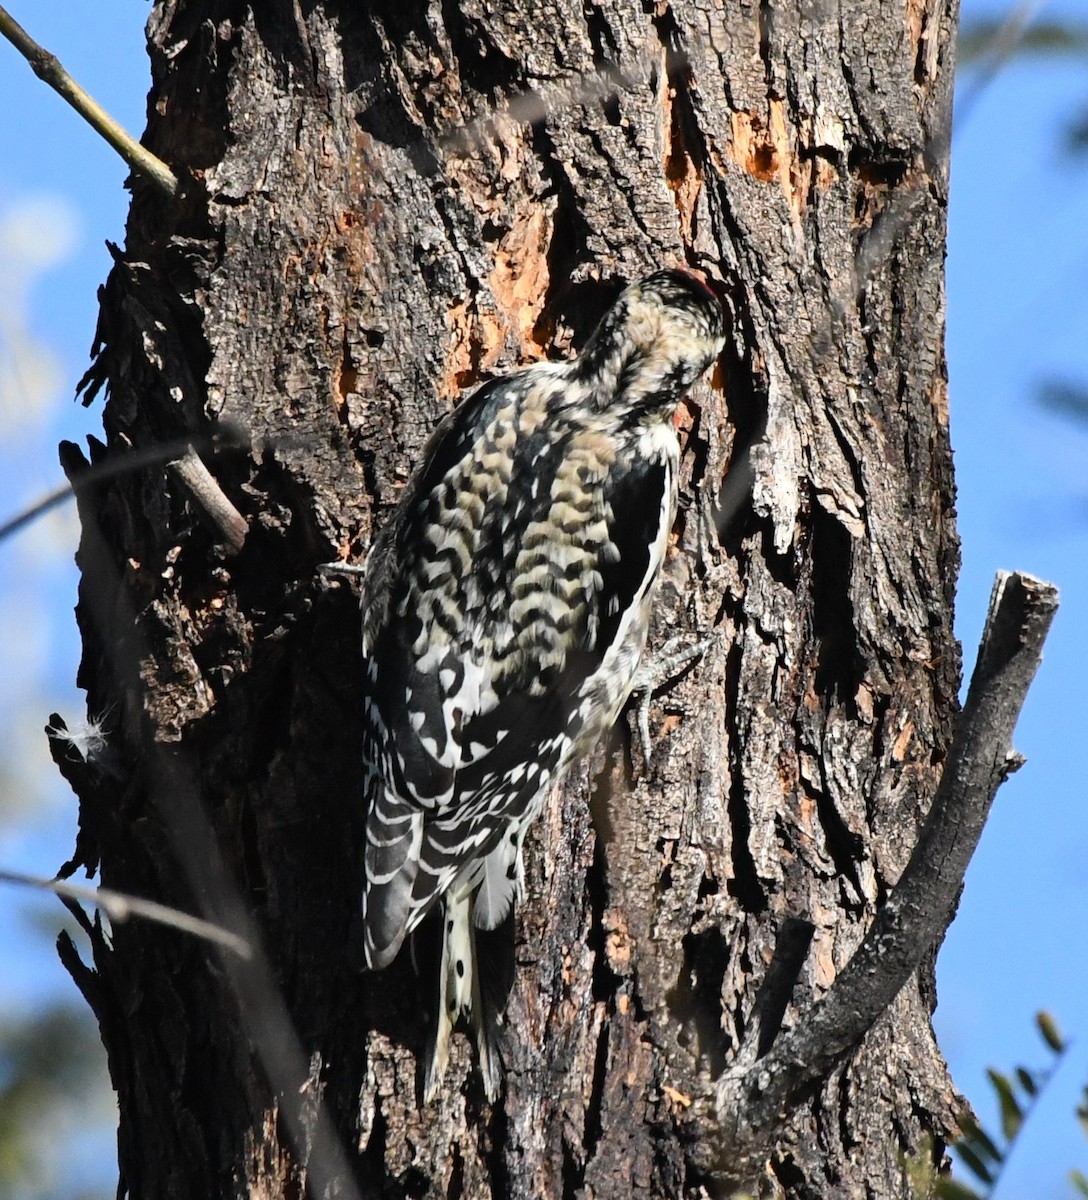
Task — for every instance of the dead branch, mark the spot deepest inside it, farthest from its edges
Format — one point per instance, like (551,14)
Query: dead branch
(751,1097)
(48,68)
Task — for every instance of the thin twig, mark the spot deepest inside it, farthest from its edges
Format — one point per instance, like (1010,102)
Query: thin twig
(209,498)
(120,464)
(751,1097)
(996,55)
(120,907)
(342,568)
(48,68)
(532,105)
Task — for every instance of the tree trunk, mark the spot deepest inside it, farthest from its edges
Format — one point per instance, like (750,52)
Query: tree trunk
(384,204)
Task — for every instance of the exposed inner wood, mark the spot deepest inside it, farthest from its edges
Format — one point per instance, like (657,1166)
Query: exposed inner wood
(369,226)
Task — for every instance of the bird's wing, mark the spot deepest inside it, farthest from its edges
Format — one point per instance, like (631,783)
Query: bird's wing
(476,679)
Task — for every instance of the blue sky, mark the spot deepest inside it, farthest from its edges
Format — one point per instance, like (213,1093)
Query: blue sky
(1017,314)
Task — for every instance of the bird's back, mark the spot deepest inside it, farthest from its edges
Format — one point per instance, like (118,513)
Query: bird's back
(505,610)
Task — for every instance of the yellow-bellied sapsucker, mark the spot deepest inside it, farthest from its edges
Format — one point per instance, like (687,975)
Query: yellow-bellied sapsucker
(505,610)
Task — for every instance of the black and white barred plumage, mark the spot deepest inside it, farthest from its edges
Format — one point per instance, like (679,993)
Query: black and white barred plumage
(505,610)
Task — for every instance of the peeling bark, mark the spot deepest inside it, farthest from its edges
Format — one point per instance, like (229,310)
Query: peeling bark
(380,206)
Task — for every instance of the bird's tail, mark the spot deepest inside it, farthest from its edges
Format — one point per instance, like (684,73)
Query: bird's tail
(461,997)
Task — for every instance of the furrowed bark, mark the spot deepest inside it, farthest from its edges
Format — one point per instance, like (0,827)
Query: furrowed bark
(388,203)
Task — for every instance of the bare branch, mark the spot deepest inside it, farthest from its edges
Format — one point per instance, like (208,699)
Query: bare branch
(996,54)
(122,464)
(751,1098)
(533,105)
(120,907)
(210,498)
(48,68)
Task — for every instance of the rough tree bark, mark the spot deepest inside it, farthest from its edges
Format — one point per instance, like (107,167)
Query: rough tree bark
(381,205)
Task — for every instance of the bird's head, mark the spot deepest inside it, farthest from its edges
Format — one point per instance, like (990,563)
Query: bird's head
(656,340)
